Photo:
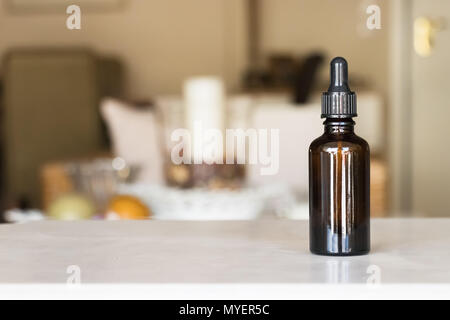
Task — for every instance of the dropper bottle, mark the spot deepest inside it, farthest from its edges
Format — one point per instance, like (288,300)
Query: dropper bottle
(339,175)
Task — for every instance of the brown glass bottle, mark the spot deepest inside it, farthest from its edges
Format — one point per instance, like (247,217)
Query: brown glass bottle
(339,175)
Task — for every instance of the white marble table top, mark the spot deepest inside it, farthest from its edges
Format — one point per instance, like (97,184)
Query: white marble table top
(261,251)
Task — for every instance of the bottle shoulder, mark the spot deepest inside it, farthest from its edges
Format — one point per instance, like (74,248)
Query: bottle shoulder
(329,142)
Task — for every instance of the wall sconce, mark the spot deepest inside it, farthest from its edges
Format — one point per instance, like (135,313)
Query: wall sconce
(425,30)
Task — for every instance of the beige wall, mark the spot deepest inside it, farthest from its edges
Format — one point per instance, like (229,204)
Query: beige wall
(164,41)
(338,27)
(429,114)
(161,41)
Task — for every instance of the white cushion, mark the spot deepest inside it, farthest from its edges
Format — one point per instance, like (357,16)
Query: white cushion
(134,135)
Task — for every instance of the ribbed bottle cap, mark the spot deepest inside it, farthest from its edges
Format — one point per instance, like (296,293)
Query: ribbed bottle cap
(339,101)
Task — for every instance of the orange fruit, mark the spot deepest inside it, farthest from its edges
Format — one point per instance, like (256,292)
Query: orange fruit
(127,207)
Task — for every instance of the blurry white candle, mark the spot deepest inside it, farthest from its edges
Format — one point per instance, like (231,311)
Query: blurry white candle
(204,99)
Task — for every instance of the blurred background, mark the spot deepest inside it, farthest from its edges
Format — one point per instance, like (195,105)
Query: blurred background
(86,114)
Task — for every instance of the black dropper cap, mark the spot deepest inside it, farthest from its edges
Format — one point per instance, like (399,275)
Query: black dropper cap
(339,101)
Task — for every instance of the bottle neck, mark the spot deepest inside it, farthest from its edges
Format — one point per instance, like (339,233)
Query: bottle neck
(339,126)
